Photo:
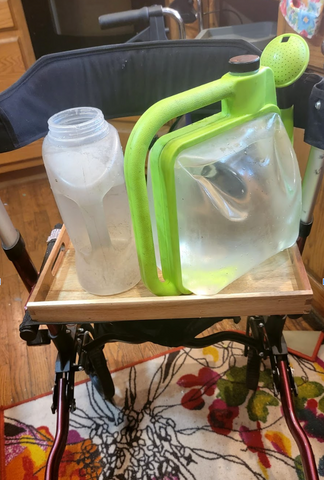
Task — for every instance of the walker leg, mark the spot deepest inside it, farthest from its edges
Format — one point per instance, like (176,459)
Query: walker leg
(306,452)
(62,430)
(63,395)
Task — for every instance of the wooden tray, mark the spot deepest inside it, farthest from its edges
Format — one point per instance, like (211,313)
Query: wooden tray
(278,286)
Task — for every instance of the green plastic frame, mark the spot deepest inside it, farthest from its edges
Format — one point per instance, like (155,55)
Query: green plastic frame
(243,97)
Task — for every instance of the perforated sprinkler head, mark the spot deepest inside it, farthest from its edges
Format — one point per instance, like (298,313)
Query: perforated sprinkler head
(287,55)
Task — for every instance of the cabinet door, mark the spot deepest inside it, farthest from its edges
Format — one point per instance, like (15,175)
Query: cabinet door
(12,67)
(16,55)
(6,20)
(11,61)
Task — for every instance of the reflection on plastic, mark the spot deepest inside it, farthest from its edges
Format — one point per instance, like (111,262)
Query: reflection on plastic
(238,203)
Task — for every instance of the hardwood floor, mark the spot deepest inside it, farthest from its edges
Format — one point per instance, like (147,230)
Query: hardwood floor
(29,371)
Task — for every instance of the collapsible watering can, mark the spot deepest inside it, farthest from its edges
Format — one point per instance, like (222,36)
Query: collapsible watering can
(223,194)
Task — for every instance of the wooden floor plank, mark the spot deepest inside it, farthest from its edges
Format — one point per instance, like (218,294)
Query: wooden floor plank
(5,378)
(17,349)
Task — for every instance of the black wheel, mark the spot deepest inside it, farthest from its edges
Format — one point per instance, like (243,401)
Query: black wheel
(99,374)
(95,366)
(253,369)
(253,357)
(107,391)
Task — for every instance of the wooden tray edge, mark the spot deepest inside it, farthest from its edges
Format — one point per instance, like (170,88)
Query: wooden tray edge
(51,266)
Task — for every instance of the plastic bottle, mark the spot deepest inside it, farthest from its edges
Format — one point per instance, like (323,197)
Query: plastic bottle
(84,163)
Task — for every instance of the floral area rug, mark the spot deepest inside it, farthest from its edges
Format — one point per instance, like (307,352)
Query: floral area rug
(186,415)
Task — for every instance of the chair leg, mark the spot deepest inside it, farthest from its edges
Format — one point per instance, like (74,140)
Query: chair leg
(306,452)
(62,430)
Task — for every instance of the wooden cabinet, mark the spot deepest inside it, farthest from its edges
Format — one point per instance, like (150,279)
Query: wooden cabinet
(16,55)
(6,20)
(11,61)
(313,255)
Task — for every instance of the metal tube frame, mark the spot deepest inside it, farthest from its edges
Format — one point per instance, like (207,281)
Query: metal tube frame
(62,430)
(298,433)
(177,17)
(200,15)
(311,185)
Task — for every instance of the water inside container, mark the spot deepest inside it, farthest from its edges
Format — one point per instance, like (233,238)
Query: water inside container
(238,200)
(238,203)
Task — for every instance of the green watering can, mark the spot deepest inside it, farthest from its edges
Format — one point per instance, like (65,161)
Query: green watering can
(223,194)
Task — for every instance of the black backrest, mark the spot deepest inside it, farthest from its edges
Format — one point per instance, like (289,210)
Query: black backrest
(121,80)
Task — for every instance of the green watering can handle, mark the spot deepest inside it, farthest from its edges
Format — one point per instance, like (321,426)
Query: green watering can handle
(135,156)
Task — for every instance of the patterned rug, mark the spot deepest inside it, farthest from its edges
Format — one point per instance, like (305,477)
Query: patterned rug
(186,415)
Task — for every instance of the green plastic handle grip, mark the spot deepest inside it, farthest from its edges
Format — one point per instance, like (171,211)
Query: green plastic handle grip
(135,157)
(287,117)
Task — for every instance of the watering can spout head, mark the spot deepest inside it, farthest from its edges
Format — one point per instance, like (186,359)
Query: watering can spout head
(287,55)
(243,64)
